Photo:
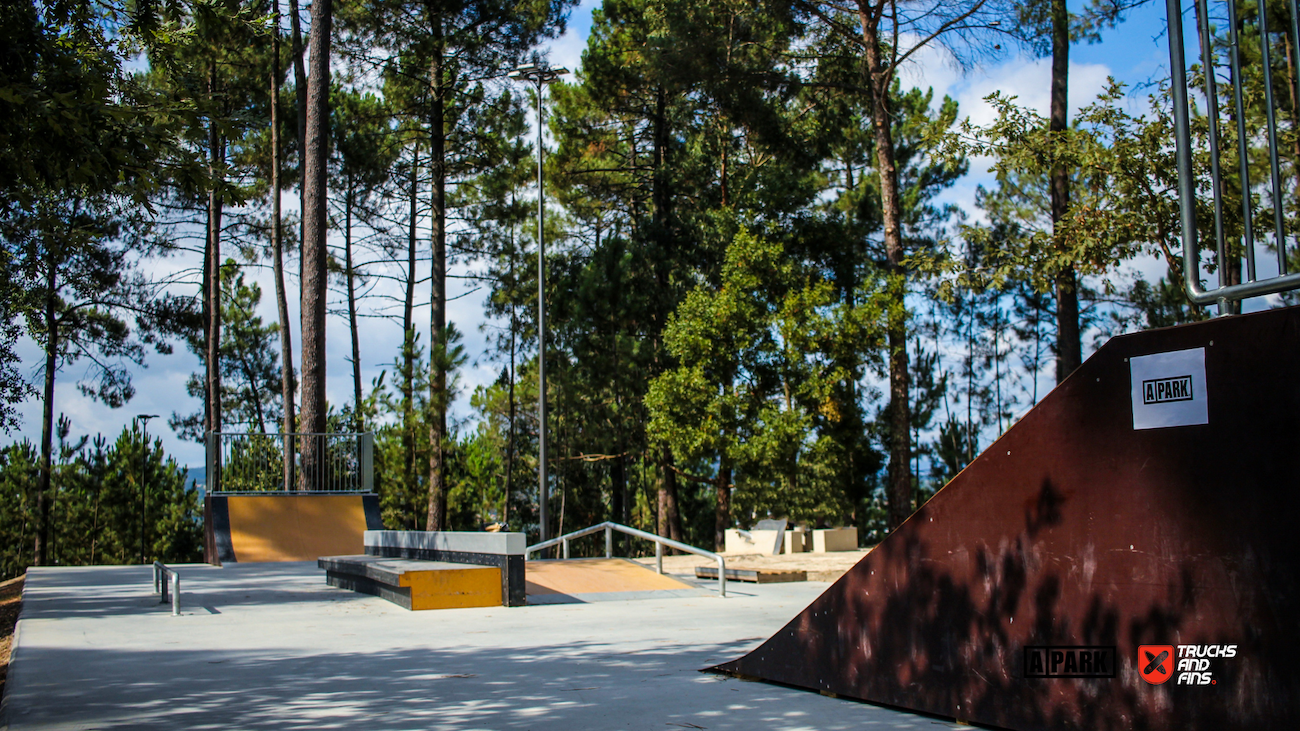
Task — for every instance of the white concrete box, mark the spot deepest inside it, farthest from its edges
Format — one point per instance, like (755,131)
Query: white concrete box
(763,541)
(795,540)
(826,540)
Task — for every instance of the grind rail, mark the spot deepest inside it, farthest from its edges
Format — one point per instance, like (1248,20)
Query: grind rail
(167,583)
(609,527)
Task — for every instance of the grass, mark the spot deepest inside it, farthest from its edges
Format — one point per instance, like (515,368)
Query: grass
(11,597)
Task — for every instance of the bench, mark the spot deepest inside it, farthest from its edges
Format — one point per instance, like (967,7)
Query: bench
(503,551)
(415,584)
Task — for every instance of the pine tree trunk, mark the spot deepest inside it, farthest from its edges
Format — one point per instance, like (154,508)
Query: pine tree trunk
(437,516)
(39,553)
(300,96)
(880,78)
(670,519)
(216,162)
(314,256)
(277,247)
(723,499)
(357,425)
(1069,353)
(408,346)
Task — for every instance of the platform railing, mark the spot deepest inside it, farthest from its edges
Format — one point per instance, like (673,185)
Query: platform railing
(252,463)
(1247,32)
(660,542)
(167,583)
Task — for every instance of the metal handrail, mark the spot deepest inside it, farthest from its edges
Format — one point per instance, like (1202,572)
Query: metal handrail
(1225,293)
(168,583)
(609,527)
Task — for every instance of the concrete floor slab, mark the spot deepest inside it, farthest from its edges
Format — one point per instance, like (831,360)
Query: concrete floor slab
(270,646)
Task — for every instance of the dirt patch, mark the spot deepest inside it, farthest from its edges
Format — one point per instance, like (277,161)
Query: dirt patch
(11,597)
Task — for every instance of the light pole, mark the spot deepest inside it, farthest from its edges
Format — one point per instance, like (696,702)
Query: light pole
(144,463)
(540,77)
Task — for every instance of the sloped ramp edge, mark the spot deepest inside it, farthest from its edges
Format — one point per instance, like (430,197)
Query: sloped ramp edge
(1076,529)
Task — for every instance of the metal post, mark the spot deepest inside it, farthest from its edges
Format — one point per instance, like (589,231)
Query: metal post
(566,548)
(540,77)
(176,594)
(609,542)
(144,465)
(368,461)
(659,557)
(541,326)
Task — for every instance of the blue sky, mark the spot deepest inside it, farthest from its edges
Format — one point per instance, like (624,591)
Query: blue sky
(1135,53)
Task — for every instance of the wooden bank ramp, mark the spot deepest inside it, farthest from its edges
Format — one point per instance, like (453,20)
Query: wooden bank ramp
(286,526)
(1125,557)
(599,579)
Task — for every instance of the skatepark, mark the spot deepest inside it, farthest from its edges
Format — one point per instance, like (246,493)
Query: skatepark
(270,645)
(1123,557)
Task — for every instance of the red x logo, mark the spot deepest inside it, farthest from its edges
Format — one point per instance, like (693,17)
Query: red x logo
(1156,663)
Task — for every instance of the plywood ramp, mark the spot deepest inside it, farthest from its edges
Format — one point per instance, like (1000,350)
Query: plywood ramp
(288,527)
(580,577)
(1107,518)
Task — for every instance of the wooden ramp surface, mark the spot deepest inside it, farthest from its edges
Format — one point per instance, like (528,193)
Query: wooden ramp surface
(295,527)
(596,579)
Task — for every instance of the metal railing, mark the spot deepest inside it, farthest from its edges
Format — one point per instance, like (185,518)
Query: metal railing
(1238,20)
(167,583)
(659,541)
(244,463)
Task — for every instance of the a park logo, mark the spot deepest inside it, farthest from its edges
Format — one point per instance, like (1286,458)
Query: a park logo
(1169,389)
(1070,661)
(1156,663)
(1164,390)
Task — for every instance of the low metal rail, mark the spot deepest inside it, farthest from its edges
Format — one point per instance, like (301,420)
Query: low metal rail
(659,541)
(168,583)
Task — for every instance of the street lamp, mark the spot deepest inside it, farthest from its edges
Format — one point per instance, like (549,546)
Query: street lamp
(540,77)
(144,463)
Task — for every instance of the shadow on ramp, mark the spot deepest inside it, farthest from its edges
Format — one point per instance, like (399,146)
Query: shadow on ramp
(1075,528)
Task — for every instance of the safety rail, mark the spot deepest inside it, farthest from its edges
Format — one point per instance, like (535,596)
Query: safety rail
(247,463)
(168,583)
(659,541)
(1247,31)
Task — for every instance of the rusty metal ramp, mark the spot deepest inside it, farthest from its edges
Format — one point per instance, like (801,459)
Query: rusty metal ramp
(1125,557)
(567,581)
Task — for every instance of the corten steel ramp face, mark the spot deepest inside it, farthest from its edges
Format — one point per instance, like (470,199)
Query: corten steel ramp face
(1074,529)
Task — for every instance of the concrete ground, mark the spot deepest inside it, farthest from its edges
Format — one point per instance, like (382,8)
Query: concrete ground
(270,646)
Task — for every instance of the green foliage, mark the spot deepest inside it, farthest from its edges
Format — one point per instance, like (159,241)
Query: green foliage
(250,364)
(95,510)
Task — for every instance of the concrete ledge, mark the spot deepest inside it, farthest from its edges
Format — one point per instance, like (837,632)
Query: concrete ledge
(504,544)
(415,585)
(504,551)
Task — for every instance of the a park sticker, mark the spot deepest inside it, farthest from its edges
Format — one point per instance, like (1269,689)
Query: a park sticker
(1169,389)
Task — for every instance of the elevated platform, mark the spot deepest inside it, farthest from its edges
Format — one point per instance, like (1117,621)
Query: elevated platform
(277,526)
(1152,499)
